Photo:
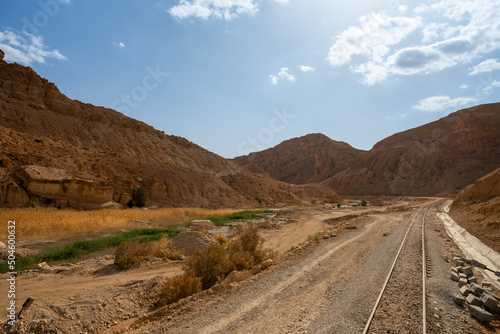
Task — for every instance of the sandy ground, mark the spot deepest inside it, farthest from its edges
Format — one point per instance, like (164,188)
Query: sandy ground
(317,285)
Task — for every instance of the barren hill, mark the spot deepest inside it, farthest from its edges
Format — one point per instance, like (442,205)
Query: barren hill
(438,158)
(477,208)
(62,152)
(311,158)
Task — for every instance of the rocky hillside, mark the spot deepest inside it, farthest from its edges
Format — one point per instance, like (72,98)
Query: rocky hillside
(311,158)
(477,208)
(57,151)
(439,158)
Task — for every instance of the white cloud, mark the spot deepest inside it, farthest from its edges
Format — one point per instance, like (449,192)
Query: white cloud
(274,79)
(486,66)
(218,9)
(285,74)
(443,103)
(463,86)
(373,36)
(121,45)
(491,87)
(453,32)
(305,68)
(26,49)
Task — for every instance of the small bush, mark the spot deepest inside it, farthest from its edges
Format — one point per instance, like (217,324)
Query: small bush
(364,203)
(160,250)
(128,253)
(241,261)
(210,265)
(221,239)
(248,240)
(178,287)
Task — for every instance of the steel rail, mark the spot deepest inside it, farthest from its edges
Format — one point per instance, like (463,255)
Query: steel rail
(424,321)
(370,319)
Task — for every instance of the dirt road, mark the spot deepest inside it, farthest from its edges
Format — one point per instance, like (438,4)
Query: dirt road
(331,289)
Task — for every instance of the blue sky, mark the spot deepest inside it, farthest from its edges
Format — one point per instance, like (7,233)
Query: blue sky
(237,76)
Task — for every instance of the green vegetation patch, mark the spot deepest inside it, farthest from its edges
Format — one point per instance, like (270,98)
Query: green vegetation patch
(244,215)
(79,248)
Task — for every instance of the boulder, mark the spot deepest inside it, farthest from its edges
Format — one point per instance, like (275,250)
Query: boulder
(201,225)
(2,54)
(459,300)
(42,266)
(125,198)
(2,245)
(189,242)
(467,271)
(13,195)
(490,303)
(473,300)
(255,270)
(476,289)
(266,264)
(465,290)
(480,314)
(236,276)
(19,253)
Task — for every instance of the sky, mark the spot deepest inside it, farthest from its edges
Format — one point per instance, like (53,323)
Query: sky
(238,76)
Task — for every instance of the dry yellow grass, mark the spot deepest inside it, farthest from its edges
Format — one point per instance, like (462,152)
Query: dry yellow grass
(65,223)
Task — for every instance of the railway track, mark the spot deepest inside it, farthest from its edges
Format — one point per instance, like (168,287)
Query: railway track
(401,303)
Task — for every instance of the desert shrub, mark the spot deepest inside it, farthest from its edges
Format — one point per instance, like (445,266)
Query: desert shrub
(209,265)
(364,203)
(241,261)
(160,250)
(249,240)
(221,239)
(128,253)
(178,287)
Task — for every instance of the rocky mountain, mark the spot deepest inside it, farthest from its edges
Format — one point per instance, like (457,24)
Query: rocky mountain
(57,151)
(307,159)
(438,158)
(477,208)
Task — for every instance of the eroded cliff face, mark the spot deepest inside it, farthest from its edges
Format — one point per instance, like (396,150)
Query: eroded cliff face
(60,187)
(41,127)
